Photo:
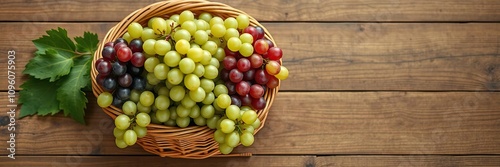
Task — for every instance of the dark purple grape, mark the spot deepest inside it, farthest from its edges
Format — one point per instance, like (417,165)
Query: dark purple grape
(224,75)
(117,102)
(100,79)
(246,100)
(135,45)
(235,100)
(109,44)
(104,67)
(109,84)
(125,80)
(249,75)
(139,83)
(108,53)
(120,40)
(269,43)
(138,59)
(261,77)
(98,61)
(119,69)
(230,88)
(260,33)
(134,71)
(123,93)
(258,104)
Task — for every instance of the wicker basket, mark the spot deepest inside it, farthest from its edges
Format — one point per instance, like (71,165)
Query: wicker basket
(194,142)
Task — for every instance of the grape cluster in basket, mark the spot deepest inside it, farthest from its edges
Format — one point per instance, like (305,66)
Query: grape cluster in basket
(183,70)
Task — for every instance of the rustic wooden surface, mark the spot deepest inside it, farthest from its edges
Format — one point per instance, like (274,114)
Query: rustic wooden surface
(373,83)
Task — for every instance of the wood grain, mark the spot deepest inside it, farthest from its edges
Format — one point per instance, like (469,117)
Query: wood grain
(321,123)
(407,161)
(279,10)
(335,56)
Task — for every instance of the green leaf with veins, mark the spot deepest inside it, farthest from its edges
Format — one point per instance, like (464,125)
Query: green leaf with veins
(57,40)
(38,97)
(51,65)
(87,44)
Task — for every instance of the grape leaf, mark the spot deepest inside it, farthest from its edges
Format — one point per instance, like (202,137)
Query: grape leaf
(87,44)
(50,64)
(57,40)
(37,96)
(72,99)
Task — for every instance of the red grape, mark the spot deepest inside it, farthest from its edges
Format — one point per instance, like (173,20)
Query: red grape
(229,52)
(256,60)
(256,91)
(274,53)
(109,44)
(273,81)
(98,61)
(261,46)
(242,88)
(273,67)
(252,31)
(271,44)
(235,76)
(259,103)
(138,59)
(104,67)
(249,75)
(118,46)
(243,65)
(108,53)
(124,54)
(261,77)
(246,100)
(229,62)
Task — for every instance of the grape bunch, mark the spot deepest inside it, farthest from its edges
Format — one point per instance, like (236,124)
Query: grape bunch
(190,71)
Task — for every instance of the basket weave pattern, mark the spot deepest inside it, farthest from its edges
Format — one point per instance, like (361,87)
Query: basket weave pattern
(194,142)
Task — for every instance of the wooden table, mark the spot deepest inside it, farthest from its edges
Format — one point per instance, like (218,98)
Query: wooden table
(373,83)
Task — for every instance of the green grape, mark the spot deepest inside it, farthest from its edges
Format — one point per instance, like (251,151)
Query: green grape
(149,46)
(247,128)
(249,117)
(140,131)
(160,27)
(150,21)
(220,89)
(245,108)
(210,46)
(173,112)
(215,39)
(118,133)
(211,72)
(182,34)
(223,100)
(154,120)
(151,78)
(162,115)
(231,32)
(191,81)
(256,124)
(212,122)
(206,58)
(195,112)
(162,102)
(246,38)
(200,37)
(197,95)
(219,81)
(183,121)
(194,45)
(187,65)
(205,16)
(246,50)
(216,20)
(219,136)
(207,85)
(218,110)
(148,33)
(188,102)
(142,108)
(150,64)
(153,108)
(169,85)
(207,111)
(243,21)
(130,137)
(283,74)
(174,17)
(190,26)
(231,22)
(219,121)
(247,139)
(225,149)
(232,139)
(182,46)
(233,112)
(163,91)
(226,125)
(209,98)
(196,54)
(175,76)
(162,47)
(183,111)
(161,71)
(220,54)
(134,95)
(135,30)
(172,58)
(105,99)
(127,37)
(170,122)
(201,25)
(186,16)
(142,119)
(177,93)
(199,70)
(234,44)
(200,121)
(218,30)
(171,23)
(147,98)
(129,108)
(120,143)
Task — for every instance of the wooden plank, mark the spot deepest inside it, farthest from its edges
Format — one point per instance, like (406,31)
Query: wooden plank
(328,56)
(282,10)
(309,123)
(384,161)
(134,161)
